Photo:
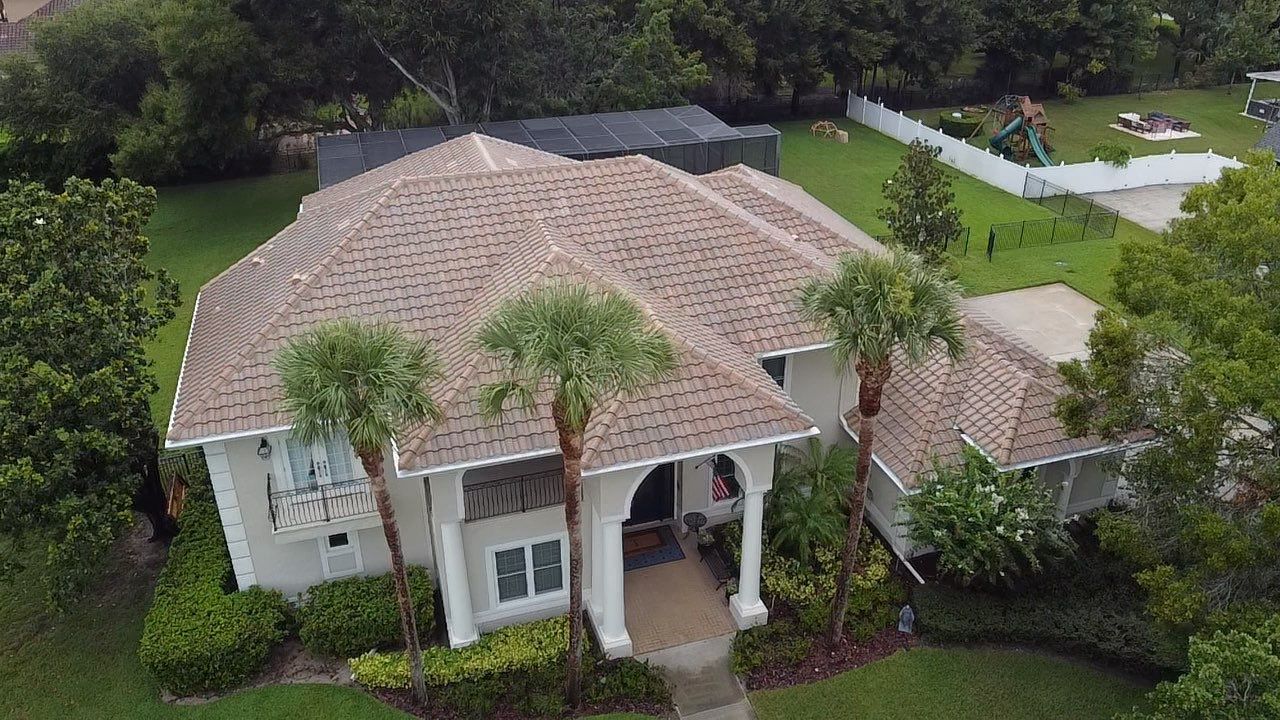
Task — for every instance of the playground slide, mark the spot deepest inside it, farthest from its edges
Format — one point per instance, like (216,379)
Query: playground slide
(1000,141)
(1034,139)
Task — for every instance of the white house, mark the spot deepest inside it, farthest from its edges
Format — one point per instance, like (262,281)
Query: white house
(433,242)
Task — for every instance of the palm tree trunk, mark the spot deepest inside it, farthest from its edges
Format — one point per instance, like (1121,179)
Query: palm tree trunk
(571,451)
(372,462)
(871,380)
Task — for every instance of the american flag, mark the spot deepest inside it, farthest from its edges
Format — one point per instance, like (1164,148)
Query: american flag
(722,488)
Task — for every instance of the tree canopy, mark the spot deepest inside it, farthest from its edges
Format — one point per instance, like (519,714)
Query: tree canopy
(77,304)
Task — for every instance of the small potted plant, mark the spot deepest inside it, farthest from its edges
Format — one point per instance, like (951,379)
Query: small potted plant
(705,538)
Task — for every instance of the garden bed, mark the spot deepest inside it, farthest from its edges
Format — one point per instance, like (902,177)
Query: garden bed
(824,661)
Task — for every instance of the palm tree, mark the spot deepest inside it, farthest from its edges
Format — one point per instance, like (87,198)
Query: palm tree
(583,347)
(804,507)
(872,306)
(369,382)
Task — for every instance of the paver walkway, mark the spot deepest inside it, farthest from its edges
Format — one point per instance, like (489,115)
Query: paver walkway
(702,685)
(674,603)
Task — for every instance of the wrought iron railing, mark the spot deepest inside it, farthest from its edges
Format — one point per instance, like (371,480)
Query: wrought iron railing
(513,495)
(323,503)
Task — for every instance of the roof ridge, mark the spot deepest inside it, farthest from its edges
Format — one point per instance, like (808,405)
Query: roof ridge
(1011,429)
(778,236)
(484,151)
(932,413)
(303,284)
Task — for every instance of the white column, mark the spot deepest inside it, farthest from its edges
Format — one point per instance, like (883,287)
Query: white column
(746,608)
(224,495)
(461,621)
(598,561)
(1064,495)
(1252,86)
(613,623)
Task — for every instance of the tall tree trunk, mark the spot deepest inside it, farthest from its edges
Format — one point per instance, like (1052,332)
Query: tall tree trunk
(372,462)
(871,380)
(150,497)
(571,453)
(795,100)
(874,72)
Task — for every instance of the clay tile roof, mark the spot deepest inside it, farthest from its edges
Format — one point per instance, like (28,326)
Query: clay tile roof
(436,250)
(16,36)
(1001,396)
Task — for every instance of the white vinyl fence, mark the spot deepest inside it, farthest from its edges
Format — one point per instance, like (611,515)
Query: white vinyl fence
(1170,169)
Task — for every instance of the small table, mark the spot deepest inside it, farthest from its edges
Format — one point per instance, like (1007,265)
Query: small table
(693,521)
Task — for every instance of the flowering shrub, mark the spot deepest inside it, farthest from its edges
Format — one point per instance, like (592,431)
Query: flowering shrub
(987,525)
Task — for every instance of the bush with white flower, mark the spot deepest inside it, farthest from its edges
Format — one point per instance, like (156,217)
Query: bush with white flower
(987,526)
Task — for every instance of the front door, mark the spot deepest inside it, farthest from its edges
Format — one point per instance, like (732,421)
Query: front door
(655,498)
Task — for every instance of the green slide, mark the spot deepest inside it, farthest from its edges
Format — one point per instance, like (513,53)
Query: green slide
(1000,141)
(1034,139)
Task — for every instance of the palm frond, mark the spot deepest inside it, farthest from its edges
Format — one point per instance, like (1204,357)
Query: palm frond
(369,381)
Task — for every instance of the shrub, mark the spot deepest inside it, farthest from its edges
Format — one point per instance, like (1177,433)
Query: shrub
(986,525)
(1096,624)
(627,679)
(958,127)
(342,618)
(778,643)
(1112,153)
(198,637)
(511,649)
(1070,93)
(472,699)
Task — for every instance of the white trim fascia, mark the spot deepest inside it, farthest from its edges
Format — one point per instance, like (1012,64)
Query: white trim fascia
(182,369)
(793,351)
(1037,462)
(546,603)
(473,464)
(704,451)
(879,463)
(238,435)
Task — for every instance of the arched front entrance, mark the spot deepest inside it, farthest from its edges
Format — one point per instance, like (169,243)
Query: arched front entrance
(655,499)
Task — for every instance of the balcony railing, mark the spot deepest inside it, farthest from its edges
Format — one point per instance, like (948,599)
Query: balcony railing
(323,503)
(513,495)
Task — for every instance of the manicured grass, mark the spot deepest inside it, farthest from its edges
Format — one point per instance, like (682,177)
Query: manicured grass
(1213,112)
(957,684)
(83,665)
(848,178)
(196,233)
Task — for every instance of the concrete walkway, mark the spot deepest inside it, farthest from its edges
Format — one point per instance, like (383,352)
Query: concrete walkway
(702,685)
(1153,207)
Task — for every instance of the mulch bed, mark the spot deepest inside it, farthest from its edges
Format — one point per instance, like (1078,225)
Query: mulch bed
(825,661)
(433,709)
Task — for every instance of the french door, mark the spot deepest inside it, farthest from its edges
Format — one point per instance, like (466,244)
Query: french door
(327,462)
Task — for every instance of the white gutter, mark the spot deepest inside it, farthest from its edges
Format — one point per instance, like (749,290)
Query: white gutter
(704,451)
(793,351)
(174,444)
(473,464)
(879,463)
(1036,462)
(182,369)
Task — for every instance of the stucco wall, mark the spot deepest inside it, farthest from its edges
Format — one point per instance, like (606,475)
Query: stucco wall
(290,561)
(822,392)
(1094,485)
(479,536)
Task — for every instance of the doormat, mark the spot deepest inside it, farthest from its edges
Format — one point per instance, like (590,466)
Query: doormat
(650,547)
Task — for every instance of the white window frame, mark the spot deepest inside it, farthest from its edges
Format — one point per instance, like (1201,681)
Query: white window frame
(532,599)
(728,502)
(786,371)
(327,553)
(284,472)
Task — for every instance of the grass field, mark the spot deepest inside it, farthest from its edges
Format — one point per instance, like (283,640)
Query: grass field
(196,233)
(1213,112)
(954,684)
(848,178)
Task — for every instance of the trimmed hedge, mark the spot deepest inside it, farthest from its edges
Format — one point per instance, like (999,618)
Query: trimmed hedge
(516,648)
(1096,625)
(342,618)
(197,636)
(958,127)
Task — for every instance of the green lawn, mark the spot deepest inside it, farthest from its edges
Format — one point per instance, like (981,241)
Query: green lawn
(848,178)
(84,664)
(1213,112)
(956,684)
(196,233)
